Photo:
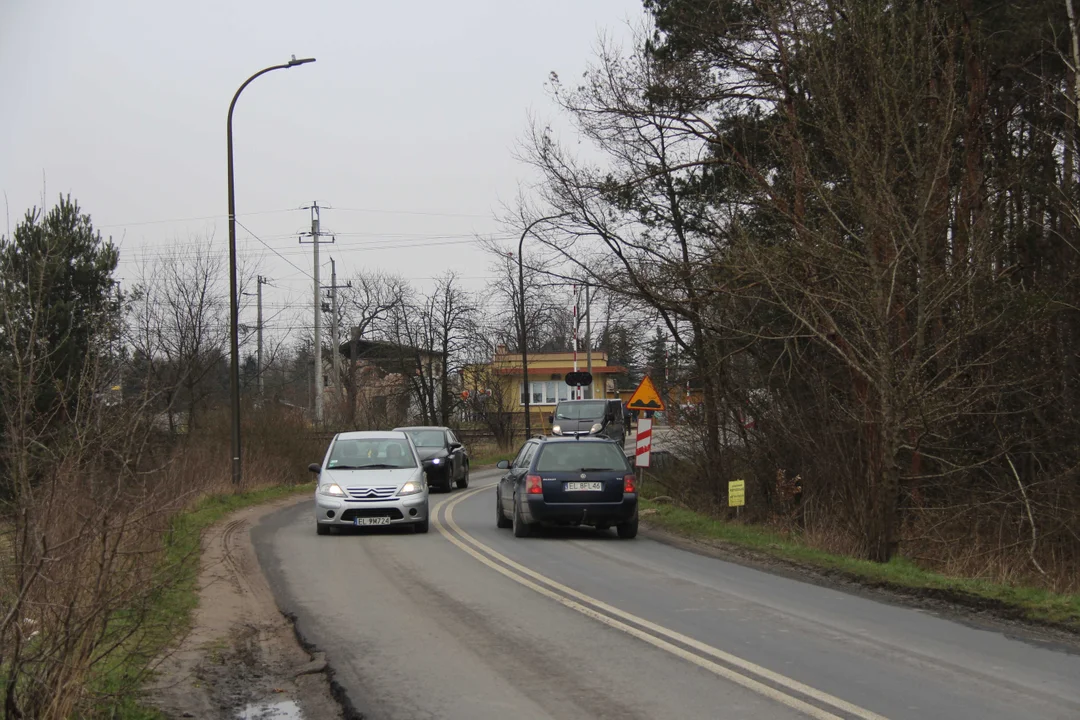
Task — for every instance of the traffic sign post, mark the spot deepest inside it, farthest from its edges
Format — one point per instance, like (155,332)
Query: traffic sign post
(644,443)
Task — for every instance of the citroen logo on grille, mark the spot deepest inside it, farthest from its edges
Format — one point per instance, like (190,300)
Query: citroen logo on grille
(367,492)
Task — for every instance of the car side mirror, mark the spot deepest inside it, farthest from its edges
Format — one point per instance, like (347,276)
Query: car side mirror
(503,465)
(455,445)
(315,468)
(551,419)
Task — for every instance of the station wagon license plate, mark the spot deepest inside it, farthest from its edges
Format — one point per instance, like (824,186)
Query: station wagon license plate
(384,520)
(576,486)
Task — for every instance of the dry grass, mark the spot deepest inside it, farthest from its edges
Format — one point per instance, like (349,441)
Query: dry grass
(93,547)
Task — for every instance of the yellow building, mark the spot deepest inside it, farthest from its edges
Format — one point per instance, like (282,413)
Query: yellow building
(547,373)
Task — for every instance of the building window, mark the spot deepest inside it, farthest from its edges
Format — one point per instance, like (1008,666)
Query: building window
(550,390)
(541,391)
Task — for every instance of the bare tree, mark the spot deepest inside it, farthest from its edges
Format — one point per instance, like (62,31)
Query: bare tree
(180,325)
(453,315)
(808,219)
(548,302)
(364,309)
(430,332)
(491,401)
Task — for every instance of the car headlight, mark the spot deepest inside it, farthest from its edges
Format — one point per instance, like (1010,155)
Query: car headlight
(332,489)
(436,461)
(597,427)
(411,487)
(556,430)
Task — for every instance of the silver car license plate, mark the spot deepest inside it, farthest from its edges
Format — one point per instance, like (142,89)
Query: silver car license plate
(384,520)
(576,486)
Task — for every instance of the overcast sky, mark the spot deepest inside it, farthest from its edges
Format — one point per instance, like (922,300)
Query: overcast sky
(406,124)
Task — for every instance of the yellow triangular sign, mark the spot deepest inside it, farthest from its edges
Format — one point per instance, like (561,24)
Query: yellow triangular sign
(646,397)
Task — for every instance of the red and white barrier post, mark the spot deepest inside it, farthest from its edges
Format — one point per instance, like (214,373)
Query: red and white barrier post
(644,442)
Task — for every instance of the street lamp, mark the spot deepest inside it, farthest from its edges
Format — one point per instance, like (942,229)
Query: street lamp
(523,339)
(234,310)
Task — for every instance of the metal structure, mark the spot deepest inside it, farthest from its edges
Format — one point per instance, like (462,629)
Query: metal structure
(524,335)
(315,234)
(234,301)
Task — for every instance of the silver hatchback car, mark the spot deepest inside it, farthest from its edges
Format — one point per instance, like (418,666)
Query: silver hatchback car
(370,478)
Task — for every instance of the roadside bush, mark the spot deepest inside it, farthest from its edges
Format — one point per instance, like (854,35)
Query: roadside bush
(86,542)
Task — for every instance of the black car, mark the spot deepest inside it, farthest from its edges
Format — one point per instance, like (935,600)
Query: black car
(568,481)
(446,461)
(603,418)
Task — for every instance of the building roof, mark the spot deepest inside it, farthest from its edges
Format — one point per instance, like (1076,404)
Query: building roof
(376,351)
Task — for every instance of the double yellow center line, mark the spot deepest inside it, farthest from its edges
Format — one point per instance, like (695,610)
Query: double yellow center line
(765,682)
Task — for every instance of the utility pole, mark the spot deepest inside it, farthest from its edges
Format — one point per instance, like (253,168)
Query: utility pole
(577,320)
(588,335)
(317,292)
(333,323)
(260,281)
(334,287)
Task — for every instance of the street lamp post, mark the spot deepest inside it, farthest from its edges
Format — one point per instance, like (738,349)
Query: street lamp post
(523,337)
(234,310)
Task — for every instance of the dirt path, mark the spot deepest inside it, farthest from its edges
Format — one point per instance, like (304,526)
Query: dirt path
(242,658)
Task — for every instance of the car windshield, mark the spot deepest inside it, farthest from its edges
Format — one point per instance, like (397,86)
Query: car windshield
(572,456)
(588,410)
(371,453)
(427,438)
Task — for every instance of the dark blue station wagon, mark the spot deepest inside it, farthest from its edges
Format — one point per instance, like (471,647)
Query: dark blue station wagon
(568,481)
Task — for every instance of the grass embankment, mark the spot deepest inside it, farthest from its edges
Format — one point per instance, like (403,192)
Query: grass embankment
(486,456)
(171,612)
(901,574)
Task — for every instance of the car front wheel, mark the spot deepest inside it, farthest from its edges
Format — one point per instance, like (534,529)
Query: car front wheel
(421,527)
(464,481)
(321,529)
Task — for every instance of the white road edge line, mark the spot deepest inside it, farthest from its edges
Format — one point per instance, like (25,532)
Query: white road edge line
(720,670)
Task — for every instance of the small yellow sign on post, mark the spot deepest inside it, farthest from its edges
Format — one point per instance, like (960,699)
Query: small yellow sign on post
(736,493)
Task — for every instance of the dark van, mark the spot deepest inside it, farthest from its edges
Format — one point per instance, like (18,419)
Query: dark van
(603,418)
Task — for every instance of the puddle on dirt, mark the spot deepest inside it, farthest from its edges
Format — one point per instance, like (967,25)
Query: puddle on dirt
(283,710)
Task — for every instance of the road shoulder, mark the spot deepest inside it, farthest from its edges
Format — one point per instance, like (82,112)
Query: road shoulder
(242,654)
(973,611)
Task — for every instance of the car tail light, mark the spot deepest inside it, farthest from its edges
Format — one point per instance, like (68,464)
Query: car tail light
(533,485)
(628,484)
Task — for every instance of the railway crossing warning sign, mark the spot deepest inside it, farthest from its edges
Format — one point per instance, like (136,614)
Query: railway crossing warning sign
(646,397)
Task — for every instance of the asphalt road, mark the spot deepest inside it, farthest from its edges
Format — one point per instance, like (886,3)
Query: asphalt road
(469,622)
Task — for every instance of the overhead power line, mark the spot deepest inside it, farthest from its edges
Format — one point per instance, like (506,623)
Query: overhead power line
(268,247)
(409,212)
(344,248)
(377,211)
(190,219)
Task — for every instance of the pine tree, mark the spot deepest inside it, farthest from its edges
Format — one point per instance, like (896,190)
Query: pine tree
(58,299)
